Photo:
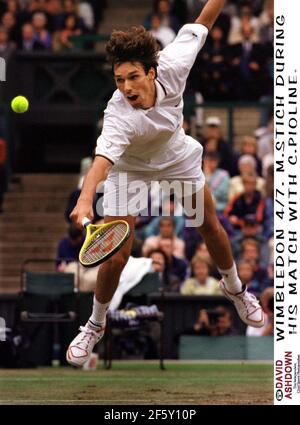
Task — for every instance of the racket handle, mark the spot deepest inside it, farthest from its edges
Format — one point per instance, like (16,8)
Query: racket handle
(85,221)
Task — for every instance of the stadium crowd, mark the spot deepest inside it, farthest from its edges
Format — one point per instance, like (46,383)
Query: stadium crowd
(31,25)
(235,63)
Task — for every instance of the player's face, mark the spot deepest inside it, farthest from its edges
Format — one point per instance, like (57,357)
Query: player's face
(137,86)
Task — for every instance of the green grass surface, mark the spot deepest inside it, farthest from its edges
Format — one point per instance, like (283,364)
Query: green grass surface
(140,383)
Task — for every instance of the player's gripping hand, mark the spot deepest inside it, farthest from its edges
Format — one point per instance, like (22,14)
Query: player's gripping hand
(83,209)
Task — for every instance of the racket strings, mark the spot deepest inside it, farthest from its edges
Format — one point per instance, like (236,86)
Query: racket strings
(105,231)
(103,243)
(108,231)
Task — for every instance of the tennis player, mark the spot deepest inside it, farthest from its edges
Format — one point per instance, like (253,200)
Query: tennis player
(143,137)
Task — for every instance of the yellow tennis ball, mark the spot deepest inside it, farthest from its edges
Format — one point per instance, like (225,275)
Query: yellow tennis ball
(19,104)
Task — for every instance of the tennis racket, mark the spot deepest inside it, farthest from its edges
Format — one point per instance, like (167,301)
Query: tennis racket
(102,241)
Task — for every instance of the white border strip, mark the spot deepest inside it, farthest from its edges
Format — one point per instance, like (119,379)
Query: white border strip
(287,204)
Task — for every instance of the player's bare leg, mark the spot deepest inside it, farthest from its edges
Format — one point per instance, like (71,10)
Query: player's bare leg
(215,237)
(219,247)
(108,278)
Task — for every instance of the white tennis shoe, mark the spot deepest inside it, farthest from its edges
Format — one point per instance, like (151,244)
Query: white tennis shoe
(82,346)
(246,305)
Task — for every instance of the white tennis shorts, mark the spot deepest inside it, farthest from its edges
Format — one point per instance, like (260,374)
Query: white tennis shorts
(127,193)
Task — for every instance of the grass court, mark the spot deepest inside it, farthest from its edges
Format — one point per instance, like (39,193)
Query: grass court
(137,383)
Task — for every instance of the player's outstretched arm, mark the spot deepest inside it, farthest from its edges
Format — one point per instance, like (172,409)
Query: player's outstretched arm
(210,12)
(97,173)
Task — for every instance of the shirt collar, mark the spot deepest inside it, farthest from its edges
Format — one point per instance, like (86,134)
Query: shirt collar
(160,92)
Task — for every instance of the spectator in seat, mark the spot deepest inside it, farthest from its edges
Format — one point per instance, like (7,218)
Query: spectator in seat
(69,246)
(246,273)
(191,238)
(268,225)
(13,7)
(41,33)
(265,138)
(238,22)
(246,166)
(201,283)
(214,142)
(177,266)
(166,230)
(249,147)
(169,282)
(266,21)
(270,270)
(28,42)
(164,35)
(29,8)
(249,202)
(217,180)
(250,77)
(98,10)
(268,161)
(172,208)
(250,229)
(202,251)
(35,5)
(9,22)
(214,322)
(223,22)
(61,39)
(54,10)
(251,252)
(86,13)
(162,8)
(70,8)
(210,74)
(7,47)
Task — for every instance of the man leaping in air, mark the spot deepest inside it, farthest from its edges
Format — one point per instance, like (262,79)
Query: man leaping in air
(143,137)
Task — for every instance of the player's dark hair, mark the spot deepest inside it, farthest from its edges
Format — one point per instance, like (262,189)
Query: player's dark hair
(134,45)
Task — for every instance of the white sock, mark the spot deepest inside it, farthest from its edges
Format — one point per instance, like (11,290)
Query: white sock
(231,279)
(98,317)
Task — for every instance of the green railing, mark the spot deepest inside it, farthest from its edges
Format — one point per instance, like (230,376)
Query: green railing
(227,347)
(230,108)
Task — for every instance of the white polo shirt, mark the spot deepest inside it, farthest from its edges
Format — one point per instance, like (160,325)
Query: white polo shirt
(153,139)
